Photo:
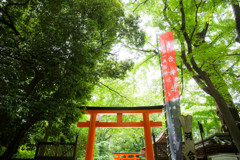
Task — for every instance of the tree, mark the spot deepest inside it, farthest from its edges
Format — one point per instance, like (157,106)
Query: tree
(52,54)
(208,49)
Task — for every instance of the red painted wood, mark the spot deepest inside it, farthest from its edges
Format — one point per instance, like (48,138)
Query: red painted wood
(91,137)
(119,117)
(127,154)
(146,123)
(118,124)
(148,137)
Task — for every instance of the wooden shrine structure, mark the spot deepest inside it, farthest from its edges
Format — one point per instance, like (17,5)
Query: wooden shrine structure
(56,151)
(160,147)
(126,156)
(119,111)
(217,146)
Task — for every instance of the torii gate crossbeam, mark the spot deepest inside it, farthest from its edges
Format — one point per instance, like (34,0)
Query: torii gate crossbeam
(146,124)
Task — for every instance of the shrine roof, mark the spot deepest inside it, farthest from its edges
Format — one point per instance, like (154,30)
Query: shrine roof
(161,137)
(218,143)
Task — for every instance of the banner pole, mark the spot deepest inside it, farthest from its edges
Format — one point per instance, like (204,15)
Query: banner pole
(160,64)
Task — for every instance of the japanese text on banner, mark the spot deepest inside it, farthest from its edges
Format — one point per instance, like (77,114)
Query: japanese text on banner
(169,67)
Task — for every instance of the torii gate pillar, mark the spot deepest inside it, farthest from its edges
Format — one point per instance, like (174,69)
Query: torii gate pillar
(146,123)
(91,137)
(148,137)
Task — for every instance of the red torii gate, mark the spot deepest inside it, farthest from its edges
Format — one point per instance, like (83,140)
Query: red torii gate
(146,123)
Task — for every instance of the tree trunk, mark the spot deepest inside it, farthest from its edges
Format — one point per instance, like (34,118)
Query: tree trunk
(228,118)
(234,113)
(13,146)
(236,11)
(224,109)
(45,139)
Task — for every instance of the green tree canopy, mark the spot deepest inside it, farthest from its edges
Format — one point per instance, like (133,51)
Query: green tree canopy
(205,34)
(52,54)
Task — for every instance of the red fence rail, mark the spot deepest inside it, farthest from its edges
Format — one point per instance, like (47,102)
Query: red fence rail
(127,156)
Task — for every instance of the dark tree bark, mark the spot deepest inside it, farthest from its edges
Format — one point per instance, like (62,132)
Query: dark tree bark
(236,11)
(45,138)
(14,144)
(8,21)
(39,75)
(235,115)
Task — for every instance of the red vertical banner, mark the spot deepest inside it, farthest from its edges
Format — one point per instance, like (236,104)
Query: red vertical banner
(172,99)
(169,67)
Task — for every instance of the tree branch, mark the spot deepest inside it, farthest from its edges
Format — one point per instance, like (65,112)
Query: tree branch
(190,69)
(17,58)
(189,45)
(182,80)
(233,54)
(183,28)
(148,59)
(230,68)
(109,53)
(196,17)
(201,35)
(184,58)
(166,17)
(134,1)
(193,63)
(183,15)
(108,42)
(115,91)
(11,24)
(140,5)
(19,3)
(37,78)
(215,39)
